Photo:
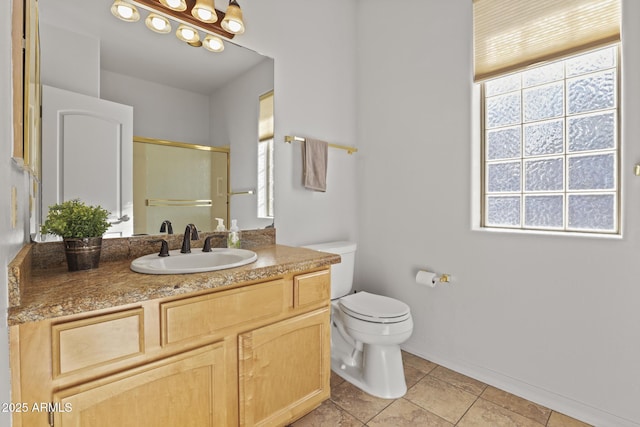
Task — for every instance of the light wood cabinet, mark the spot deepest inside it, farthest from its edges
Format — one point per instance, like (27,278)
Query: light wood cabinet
(86,343)
(250,354)
(290,354)
(184,390)
(204,315)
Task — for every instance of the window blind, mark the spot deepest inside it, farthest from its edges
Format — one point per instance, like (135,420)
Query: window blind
(265,123)
(509,35)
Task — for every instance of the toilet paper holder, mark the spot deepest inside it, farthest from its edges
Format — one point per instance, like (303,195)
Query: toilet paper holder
(425,277)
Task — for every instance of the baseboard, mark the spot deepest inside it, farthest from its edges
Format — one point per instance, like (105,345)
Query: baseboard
(549,399)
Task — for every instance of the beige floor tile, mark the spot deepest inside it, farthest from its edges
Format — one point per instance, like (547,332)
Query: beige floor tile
(517,404)
(461,381)
(412,375)
(560,420)
(335,380)
(403,413)
(328,414)
(441,398)
(361,405)
(486,414)
(419,363)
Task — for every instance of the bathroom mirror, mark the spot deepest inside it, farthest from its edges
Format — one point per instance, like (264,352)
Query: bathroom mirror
(178,92)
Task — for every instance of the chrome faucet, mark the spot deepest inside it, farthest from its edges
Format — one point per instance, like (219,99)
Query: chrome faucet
(166,226)
(190,233)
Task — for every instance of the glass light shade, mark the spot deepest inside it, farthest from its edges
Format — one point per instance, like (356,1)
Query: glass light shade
(178,5)
(213,43)
(125,11)
(187,34)
(204,10)
(232,22)
(158,23)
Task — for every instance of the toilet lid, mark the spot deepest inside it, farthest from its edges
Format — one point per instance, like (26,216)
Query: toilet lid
(374,308)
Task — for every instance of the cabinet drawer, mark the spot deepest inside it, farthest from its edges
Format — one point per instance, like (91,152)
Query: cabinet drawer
(312,289)
(188,389)
(208,314)
(96,341)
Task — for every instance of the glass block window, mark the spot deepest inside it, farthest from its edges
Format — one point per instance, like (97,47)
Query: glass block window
(550,146)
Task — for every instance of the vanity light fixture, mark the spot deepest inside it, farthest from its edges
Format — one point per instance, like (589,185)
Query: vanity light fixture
(177,5)
(205,11)
(232,21)
(213,43)
(158,23)
(187,34)
(192,17)
(125,11)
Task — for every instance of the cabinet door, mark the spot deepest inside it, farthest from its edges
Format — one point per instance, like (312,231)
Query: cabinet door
(183,390)
(284,369)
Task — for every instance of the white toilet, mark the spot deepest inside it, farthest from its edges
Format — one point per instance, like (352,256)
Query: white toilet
(367,330)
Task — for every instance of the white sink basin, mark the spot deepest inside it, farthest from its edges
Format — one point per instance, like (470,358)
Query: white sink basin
(195,262)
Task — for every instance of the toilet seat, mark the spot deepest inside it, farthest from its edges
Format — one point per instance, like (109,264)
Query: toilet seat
(374,308)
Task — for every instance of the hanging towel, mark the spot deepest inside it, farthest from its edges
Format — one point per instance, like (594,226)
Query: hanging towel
(314,164)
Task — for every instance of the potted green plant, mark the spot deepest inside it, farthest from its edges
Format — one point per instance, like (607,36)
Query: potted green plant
(81,228)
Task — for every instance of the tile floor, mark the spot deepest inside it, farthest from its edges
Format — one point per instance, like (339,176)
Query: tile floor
(436,397)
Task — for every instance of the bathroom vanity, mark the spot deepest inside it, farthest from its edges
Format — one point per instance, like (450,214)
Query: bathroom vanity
(245,346)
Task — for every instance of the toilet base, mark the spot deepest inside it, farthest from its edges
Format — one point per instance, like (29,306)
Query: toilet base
(377,370)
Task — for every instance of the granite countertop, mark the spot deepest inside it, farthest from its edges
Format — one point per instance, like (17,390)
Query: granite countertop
(55,292)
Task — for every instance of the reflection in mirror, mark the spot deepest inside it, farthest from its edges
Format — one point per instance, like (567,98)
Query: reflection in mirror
(175,92)
(265,157)
(159,170)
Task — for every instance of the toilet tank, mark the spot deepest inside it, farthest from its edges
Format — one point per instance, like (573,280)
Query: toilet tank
(341,274)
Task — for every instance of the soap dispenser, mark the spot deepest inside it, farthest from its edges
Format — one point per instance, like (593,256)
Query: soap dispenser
(233,239)
(220,226)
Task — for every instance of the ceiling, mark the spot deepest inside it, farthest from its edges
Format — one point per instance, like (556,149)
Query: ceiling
(132,49)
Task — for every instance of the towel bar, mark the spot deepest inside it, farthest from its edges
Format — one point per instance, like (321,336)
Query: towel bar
(347,148)
(179,202)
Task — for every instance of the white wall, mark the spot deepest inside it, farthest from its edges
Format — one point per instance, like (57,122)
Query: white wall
(234,123)
(11,239)
(160,111)
(314,95)
(555,319)
(70,60)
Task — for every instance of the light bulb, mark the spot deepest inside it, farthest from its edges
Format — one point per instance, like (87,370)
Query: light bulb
(213,43)
(232,22)
(205,11)
(158,23)
(125,11)
(233,26)
(177,5)
(187,33)
(204,15)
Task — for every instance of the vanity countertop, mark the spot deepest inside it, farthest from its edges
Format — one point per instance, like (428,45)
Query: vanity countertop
(56,292)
